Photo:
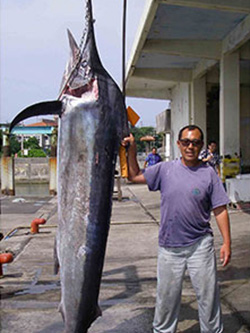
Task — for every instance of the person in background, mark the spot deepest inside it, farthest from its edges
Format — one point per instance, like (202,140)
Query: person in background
(211,157)
(190,190)
(152,159)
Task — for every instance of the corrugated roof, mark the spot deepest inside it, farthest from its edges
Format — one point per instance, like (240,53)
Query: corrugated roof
(44,122)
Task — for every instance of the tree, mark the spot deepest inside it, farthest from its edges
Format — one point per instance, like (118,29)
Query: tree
(15,146)
(139,132)
(1,139)
(31,143)
(36,153)
(33,153)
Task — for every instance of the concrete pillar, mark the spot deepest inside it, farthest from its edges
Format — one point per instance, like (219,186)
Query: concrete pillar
(53,164)
(52,175)
(22,143)
(168,146)
(7,168)
(198,104)
(180,113)
(230,105)
(40,140)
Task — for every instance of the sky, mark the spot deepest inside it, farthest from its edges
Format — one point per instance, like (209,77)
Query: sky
(34,49)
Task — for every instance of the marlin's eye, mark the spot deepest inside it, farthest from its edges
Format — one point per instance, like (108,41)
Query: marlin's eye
(84,64)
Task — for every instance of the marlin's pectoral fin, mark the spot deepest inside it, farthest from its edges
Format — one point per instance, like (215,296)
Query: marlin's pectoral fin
(44,108)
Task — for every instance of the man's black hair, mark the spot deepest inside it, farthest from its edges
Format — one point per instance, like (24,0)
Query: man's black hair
(211,141)
(191,128)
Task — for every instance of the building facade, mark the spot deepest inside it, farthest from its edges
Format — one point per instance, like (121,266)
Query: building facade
(197,55)
(42,131)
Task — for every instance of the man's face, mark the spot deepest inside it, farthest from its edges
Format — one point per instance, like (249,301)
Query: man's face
(190,146)
(212,147)
(153,151)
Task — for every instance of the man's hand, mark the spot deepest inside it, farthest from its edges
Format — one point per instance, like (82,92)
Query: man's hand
(134,173)
(208,158)
(129,141)
(222,220)
(225,254)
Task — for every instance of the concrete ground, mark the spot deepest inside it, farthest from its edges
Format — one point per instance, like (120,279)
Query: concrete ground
(30,292)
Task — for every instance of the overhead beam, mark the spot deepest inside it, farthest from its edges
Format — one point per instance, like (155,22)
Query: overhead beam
(202,67)
(164,74)
(141,35)
(239,6)
(182,47)
(237,37)
(164,94)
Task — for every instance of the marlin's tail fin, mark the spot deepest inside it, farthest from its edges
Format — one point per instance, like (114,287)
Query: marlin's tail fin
(44,108)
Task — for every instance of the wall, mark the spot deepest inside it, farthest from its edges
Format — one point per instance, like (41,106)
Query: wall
(180,115)
(32,170)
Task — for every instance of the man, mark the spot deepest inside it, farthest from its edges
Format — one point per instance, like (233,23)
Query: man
(189,191)
(211,157)
(152,158)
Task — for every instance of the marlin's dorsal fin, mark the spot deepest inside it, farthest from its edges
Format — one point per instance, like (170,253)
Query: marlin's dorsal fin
(43,108)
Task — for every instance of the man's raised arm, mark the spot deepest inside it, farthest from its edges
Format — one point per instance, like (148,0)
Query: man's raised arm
(134,173)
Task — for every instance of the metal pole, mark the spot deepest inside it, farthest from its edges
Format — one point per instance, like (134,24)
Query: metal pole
(124,48)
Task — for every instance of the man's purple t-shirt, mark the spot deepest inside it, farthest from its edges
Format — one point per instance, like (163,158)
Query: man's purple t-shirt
(188,194)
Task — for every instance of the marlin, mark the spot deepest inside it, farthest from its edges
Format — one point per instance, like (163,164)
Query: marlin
(92,123)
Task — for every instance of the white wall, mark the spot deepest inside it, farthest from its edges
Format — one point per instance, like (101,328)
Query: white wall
(199,104)
(180,115)
(230,104)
